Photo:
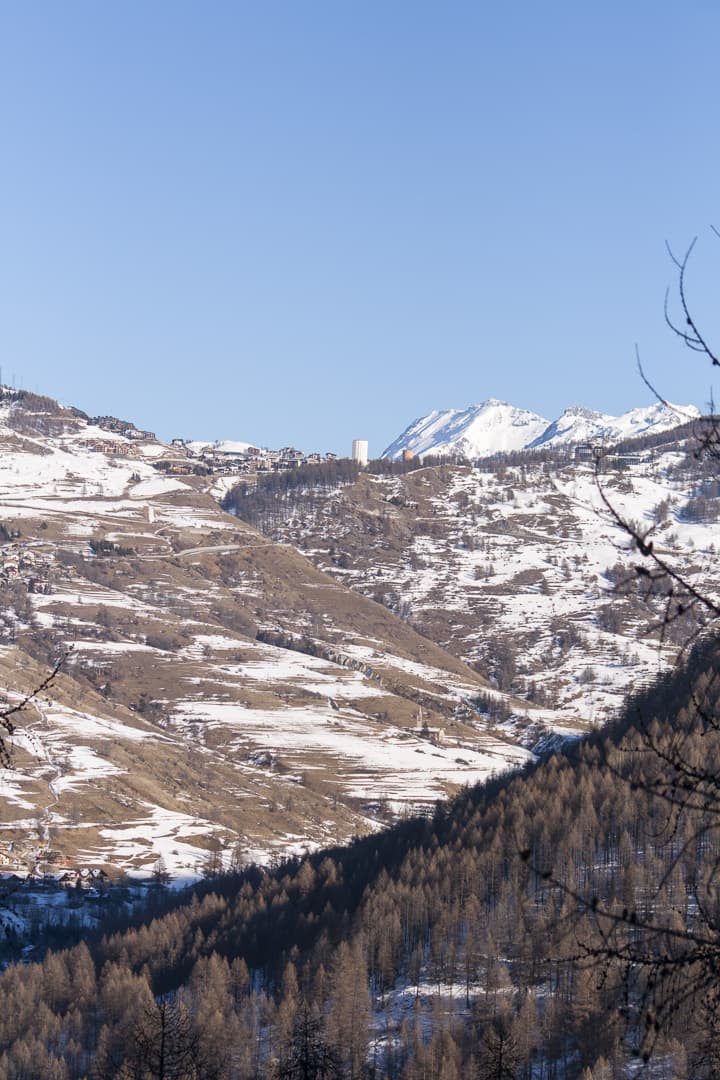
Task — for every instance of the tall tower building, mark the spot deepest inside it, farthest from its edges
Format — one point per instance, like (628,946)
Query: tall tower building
(360,451)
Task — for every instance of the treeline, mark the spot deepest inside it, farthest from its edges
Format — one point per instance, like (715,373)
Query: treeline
(272,498)
(703,505)
(33,402)
(386,467)
(668,440)
(266,503)
(697,471)
(455,946)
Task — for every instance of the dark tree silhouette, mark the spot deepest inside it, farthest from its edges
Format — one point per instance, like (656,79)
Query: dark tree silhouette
(160,1044)
(499,1057)
(309,1057)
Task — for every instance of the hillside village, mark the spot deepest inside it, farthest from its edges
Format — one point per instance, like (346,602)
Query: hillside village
(185,457)
(215,459)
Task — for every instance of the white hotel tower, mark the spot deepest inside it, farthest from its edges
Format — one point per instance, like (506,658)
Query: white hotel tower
(360,451)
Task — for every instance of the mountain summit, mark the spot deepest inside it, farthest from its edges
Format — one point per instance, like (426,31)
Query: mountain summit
(487,428)
(494,427)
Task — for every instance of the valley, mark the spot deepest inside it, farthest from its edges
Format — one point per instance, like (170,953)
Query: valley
(357,648)
(291,707)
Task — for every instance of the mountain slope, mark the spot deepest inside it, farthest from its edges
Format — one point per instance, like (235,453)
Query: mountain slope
(220,690)
(495,427)
(488,428)
(514,565)
(420,949)
(390,640)
(578,425)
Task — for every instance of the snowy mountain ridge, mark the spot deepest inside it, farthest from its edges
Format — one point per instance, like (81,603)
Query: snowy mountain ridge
(495,426)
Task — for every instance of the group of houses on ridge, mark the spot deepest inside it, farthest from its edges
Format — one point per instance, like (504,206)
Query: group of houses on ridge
(209,458)
(111,447)
(212,458)
(123,427)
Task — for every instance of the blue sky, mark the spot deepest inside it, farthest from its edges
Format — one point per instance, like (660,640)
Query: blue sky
(308,222)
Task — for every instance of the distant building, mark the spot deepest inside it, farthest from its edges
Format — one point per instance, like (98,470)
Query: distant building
(360,451)
(588,451)
(407,455)
(436,735)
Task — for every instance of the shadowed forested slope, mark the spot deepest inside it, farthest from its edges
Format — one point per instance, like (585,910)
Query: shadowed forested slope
(434,949)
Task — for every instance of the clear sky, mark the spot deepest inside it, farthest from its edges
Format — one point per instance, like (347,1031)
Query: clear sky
(306,222)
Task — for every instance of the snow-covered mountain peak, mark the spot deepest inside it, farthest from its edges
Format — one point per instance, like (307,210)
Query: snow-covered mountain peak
(576,424)
(583,412)
(495,426)
(658,417)
(481,429)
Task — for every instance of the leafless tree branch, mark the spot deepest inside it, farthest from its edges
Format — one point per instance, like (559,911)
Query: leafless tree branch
(7,725)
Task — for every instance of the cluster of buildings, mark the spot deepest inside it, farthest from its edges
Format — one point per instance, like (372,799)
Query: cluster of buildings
(114,447)
(19,562)
(215,460)
(209,458)
(255,460)
(49,866)
(123,427)
(597,451)
(111,447)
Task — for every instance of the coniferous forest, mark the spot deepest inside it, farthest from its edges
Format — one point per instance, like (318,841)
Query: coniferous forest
(559,922)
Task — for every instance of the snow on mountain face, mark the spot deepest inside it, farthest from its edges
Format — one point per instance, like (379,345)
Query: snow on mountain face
(575,425)
(658,417)
(488,428)
(494,427)
(578,425)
